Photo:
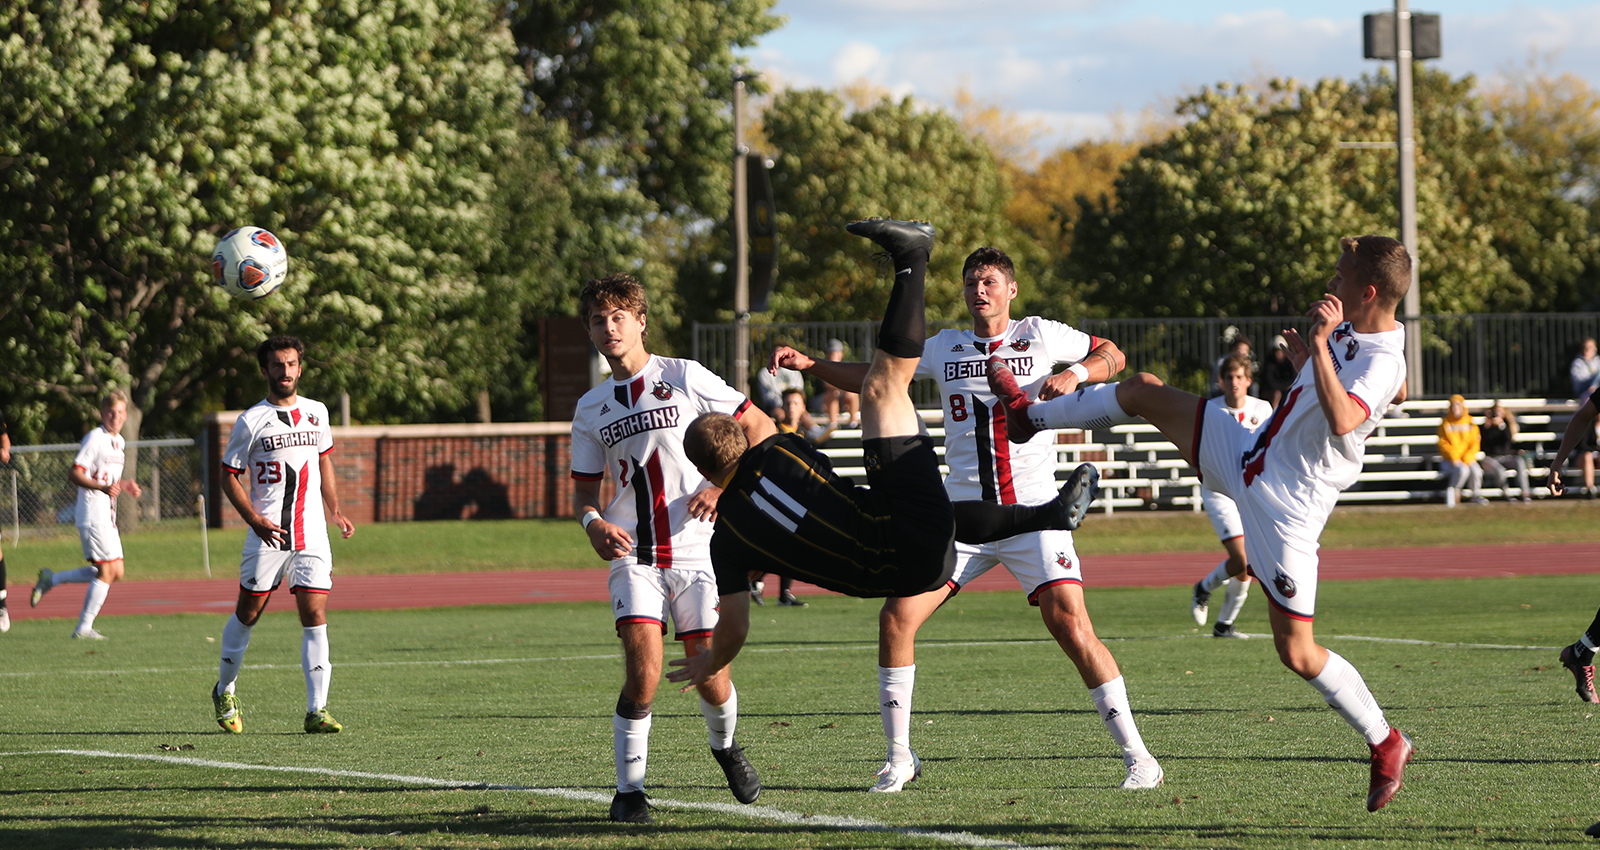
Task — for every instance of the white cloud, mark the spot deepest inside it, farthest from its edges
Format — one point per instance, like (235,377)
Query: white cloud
(857,61)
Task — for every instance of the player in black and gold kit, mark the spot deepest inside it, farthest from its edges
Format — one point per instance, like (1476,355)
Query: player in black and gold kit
(783,509)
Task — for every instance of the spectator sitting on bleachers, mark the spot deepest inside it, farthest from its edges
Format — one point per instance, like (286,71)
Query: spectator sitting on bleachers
(1458,448)
(1585,372)
(1498,438)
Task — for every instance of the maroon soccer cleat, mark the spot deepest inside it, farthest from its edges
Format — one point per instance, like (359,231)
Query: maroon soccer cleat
(1584,673)
(1019,429)
(1388,762)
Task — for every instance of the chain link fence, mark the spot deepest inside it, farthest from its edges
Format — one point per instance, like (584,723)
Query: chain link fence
(37,500)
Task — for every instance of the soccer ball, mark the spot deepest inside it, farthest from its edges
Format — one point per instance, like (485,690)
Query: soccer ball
(249,263)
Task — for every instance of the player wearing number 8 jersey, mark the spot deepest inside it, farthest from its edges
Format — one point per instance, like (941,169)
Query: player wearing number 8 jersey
(985,465)
(279,476)
(1286,476)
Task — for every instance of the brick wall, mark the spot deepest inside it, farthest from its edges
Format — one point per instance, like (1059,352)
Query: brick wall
(400,473)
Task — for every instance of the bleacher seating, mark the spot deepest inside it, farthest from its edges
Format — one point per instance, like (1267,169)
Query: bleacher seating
(1140,469)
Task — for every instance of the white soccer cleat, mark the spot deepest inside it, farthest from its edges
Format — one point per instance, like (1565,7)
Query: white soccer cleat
(894,776)
(1200,603)
(88,634)
(1144,774)
(5,620)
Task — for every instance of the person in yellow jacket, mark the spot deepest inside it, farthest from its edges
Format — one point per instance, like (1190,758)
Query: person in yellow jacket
(1458,452)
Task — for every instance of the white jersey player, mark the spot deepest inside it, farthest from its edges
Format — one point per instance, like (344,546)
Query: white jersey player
(279,476)
(1286,476)
(656,530)
(985,464)
(1233,377)
(97,473)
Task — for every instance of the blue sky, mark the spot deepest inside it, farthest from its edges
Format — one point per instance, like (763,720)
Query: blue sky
(1072,65)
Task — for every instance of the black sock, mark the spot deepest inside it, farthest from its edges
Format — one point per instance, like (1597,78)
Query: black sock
(1593,633)
(985,522)
(905,321)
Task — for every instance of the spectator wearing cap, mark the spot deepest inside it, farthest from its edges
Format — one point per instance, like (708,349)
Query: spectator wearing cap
(834,398)
(1278,373)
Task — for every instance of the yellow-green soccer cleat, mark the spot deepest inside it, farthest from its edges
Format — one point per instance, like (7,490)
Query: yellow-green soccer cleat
(229,716)
(321,721)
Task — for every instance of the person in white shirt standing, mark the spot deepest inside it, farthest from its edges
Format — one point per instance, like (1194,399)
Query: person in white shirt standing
(656,530)
(1233,376)
(1285,477)
(985,466)
(97,473)
(280,447)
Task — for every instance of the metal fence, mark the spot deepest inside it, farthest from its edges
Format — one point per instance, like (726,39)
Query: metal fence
(1523,355)
(36,499)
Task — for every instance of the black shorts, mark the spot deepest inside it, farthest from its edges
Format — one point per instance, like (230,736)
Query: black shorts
(905,487)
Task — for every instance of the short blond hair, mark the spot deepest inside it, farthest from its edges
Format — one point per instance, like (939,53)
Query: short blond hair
(112,397)
(713,441)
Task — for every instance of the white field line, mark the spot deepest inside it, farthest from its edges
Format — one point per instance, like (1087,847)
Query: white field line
(960,839)
(747,651)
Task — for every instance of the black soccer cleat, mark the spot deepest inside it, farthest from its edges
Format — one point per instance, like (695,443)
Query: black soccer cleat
(899,238)
(742,778)
(1072,503)
(1226,630)
(631,807)
(1572,659)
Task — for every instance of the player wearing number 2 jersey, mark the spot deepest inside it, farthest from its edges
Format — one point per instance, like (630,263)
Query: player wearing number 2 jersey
(656,530)
(279,476)
(985,465)
(1286,476)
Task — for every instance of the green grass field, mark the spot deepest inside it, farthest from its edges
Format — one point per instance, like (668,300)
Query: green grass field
(173,549)
(1014,754)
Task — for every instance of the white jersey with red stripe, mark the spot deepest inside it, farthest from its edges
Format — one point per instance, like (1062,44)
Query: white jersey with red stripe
(1297,466)
(634,428)
(983,463)
(279,450)
(100,456)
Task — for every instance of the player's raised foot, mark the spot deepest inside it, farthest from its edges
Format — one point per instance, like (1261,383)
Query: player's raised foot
(789,599)
(1580,660)
(1200,603)
(899,238)
(87,634)
(631,807)
(742,778)
(1077,492)
(895,775)
(41,586)
(228,714)
(1019,428)
(1388,763)
(1226,630)
(1144,774)
(320,721)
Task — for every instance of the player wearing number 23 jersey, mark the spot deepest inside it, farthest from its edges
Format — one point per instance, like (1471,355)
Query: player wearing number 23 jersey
(278,449)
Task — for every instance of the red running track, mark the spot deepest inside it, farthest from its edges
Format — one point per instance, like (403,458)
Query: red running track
(589,585)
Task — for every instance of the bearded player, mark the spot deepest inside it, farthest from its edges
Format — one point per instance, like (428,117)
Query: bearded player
(984,465)
(656,531)
(1287,476)
(280,449)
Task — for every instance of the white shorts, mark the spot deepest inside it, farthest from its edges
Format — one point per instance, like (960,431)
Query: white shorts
(1284,561)
(1223,512)
(641,593)
(101,543)
(309,570)
(1037,560)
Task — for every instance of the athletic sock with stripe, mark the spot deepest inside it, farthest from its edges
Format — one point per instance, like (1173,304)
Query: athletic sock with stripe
(1347,693)
(895,685)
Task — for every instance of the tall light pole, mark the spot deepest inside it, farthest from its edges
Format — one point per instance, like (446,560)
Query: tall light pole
(741,241)
(1408,193)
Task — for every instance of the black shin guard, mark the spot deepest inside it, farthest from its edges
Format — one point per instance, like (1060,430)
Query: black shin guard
(985,522)
(627,709)
(905,322)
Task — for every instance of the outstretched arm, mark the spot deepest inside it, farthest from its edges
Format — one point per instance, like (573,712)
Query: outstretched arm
(1098,366)
(727,638)
(1581,420)
(845,376)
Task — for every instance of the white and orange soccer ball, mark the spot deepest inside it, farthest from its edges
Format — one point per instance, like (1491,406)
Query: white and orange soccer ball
(249,263)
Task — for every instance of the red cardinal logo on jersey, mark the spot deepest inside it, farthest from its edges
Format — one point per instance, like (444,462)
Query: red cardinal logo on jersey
(1285,585)
(662,390)
(312,418)
(1021,344)
(265,240)
(1350,348)
(1062,559)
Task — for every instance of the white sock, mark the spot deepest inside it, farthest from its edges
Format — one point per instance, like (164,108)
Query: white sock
(895,685)
(1345,690)
(721,719)
(314,660)
(1586,640)
(92,600)
(235,640)
(77,576)
(630,739)
(1216,578)
(1111,700)
(1233,600)
(1093,406)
